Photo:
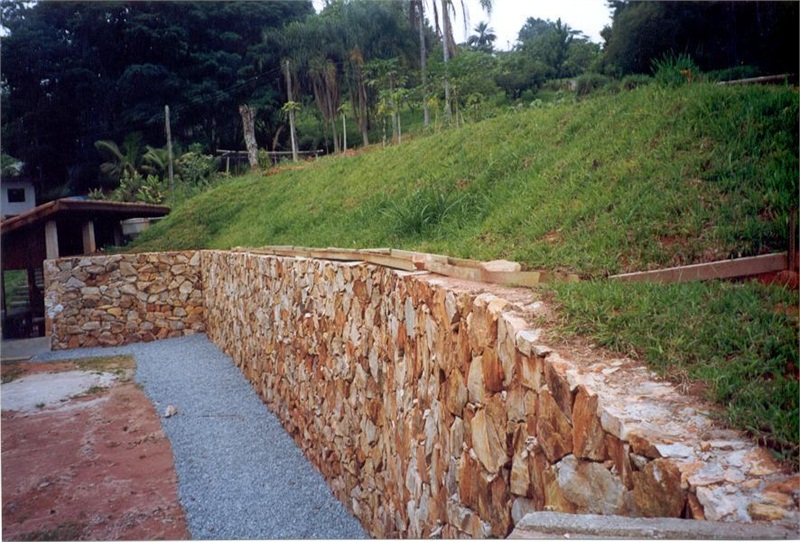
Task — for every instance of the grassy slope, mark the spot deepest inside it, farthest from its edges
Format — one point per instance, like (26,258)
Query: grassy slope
(628,182)
(643,179)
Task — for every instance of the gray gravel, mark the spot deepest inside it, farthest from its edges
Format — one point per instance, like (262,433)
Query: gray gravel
(240,475)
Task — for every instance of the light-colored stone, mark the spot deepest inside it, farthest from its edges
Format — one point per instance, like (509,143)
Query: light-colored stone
(589,486)
(475,382)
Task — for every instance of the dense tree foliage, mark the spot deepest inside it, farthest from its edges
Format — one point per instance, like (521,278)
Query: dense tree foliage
(84,84)
(717,35)
(78,72)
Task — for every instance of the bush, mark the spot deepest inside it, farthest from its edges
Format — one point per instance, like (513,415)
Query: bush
(197,169)
(732,74)
(675,70)
(630,82)
(589,83)
(134,188)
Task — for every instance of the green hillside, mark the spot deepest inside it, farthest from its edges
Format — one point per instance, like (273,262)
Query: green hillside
(642,179)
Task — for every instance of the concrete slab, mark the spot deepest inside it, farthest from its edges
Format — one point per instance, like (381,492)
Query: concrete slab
(549,525)
(34,392)
(22,349)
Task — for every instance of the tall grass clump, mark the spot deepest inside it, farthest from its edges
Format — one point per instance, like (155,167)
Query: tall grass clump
(674,70)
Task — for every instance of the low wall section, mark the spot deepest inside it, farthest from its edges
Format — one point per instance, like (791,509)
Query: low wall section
(429,405)
(123,298)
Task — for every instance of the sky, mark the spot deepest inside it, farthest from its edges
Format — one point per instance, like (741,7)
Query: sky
(508,16)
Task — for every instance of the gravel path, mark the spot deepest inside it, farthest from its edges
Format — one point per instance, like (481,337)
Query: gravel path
(240,475)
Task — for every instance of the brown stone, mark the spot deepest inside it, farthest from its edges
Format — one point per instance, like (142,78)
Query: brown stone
(657,490)
(588,435)
(555,376)
(554,499)
(641,445)
(766,512)
(694,510)
(493,374)
(619,453)
(468,470)
(553,428)
(456,394)
(530,371)
(482,324)
(520,473)
(494,504)
(488,436)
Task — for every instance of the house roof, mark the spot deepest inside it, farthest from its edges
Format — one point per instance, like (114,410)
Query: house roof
(87,209)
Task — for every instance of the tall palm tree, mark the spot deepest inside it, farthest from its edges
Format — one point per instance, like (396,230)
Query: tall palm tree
(483,39)
(448,42)
(416,13)
(120,161)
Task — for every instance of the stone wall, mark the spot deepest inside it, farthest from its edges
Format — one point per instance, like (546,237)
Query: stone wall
(432,408)
(120,299)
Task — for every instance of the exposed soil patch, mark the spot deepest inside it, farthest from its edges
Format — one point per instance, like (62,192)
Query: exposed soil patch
(95,466)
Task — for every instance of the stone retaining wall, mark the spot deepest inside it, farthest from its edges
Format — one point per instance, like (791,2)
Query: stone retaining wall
(120,299)
(432,408)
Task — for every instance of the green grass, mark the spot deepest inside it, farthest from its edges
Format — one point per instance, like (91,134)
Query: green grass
(643,179)
(639,180)
(738,339)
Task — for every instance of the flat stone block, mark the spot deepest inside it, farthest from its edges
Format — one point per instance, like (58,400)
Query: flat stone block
(559,525)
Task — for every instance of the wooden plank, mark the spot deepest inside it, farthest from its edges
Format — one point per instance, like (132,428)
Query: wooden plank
(528,278)
(389,261)
(726,269)
(464,273)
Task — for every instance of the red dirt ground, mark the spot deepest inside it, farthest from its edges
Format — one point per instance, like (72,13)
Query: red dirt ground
(101,471)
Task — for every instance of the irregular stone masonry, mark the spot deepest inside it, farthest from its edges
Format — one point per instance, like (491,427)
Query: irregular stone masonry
(433,408)
(119,299)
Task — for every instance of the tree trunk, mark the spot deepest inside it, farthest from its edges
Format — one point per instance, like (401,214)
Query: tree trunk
(292,132)
(248,120)
(344,134)
(423,62)
(445,47)
(393,104)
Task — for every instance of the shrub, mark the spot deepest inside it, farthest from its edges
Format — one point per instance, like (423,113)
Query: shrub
(630,82)
(197,169)
(734,73)
(134,188)
(589,83)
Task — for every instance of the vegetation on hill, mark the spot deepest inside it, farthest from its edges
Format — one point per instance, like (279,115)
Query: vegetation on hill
(641,179)
(648,178)
(103,71)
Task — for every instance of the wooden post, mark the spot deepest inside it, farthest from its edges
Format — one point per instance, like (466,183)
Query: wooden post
(169,155)
(51,239)
(89,246)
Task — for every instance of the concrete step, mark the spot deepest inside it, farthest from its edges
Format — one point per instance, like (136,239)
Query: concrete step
(549,525)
